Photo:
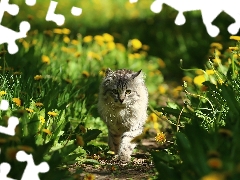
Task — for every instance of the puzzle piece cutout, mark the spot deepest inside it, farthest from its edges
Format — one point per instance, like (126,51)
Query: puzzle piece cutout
(59,18)
(7,35)
(31,171)
(4,170)
(209,10)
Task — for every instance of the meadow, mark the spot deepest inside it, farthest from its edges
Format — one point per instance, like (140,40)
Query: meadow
(52,85)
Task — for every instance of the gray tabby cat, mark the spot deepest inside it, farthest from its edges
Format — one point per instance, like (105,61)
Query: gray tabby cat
(122,104)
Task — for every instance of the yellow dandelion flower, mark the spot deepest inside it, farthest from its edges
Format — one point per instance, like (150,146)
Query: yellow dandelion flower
(45,59)
(47,131)
(215,163)
(3,93)
(66,39)
(38,77)
(136,44)
(17,101)
(161,63)
(120,47)
(89,177)
(79,140)
(237,38)
(217,61)
(85,74)
(39,104)
(68,50)
(152,117)
(29,110)
(107,37)
(145,47)
(77,54)
(137,55)
(25,44)
(216,45)
(187,79)
(27,149)
(87,39)
(160,138)
(198,80)
(104,52)
(214,176)
(51,113)
(233,48)
(199,72)
(101,73)
(210,71)
(162,89)
(111,45)
(57,31)
(42,119)
(98,38)
(66,31)
(74,42)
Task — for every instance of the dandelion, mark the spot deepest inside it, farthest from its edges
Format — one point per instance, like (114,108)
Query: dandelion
(237,38)
(79,140)
(74,42)
(187,79)
(107,37)
(42,120)
(210,71)
(136,44)
(45,59)
(85,74)
(214,176)
(233,48)
(89,177)
(145,47)
(198,80)
(98,38)
(17,101)
(3,93)
(29,110)
(136,55)
(215,163)
(66,31)
(25,44)
(110,45)
(38,77)
(57,31)
(162,89)
(47,131)
(87,39)
(152,117)
(39,104)
(216,45)
(66,39)
(120,47)
(101,73)
(160,138)
(51,113)
(161,63)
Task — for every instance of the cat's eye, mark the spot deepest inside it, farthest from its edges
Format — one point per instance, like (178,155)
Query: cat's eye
(115,91)
(128,91)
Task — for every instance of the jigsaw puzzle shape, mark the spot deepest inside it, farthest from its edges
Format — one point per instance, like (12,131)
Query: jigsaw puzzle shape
(4,170)
(10,130)
(31,171)
(209,10)
(7,35)
(30,2)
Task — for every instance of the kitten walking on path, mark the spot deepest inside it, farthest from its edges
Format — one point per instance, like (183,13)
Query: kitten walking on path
(122,104)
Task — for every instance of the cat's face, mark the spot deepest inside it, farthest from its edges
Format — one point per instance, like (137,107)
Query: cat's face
(121,86)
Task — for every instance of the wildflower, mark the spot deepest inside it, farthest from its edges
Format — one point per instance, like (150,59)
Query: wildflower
(57,31)
(45,59)
(25,44)
(27,149)
(89,177)
(107,37)
(87,39)
(137,55)
(38,104)
(3,93)
(74,42)
(233,48)
(130,56)
(48,32)
(217,61)
(216,45)
(161,63)
(79,140)
(120,47)
(38,77)
(145,47)
(11,153)
(162,89)
(199,71)
(161,137)
(136,44)
(29,110)
(198,80)
(111,45)
(187,79)
(66,39)
(17,101)
(47,131)
(152,117)
(237,38)
(101,73)
(98,38)
(66,31)
(214,176)
(210,71)
(51,113)
(85,74)
(42,120)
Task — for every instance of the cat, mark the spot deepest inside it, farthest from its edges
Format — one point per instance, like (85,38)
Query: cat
(122,104)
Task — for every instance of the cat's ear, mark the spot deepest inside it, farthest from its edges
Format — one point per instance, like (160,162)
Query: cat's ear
(108,72)
(136,74)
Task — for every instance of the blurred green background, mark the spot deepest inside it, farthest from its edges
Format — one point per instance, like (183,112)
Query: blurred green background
(125,21)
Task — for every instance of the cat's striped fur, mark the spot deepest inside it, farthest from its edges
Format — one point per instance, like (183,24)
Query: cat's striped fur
(122,105)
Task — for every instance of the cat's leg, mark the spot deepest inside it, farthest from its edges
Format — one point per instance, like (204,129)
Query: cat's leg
(126,146)
(114,142)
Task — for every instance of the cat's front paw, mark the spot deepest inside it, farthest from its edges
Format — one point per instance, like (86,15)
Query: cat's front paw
(123,157)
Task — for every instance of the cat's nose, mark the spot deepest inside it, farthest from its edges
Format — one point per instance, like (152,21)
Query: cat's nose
(121,100)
